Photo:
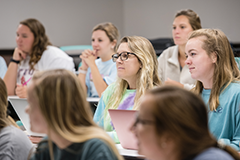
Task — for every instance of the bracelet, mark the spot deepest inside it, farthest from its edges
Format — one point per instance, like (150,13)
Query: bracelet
(82,71)
(15,61)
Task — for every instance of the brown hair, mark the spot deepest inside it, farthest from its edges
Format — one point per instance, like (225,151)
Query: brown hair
(62,90)
(3,105)
(41,40)
(176,110)
(193,18)
(110,30)
(226,69)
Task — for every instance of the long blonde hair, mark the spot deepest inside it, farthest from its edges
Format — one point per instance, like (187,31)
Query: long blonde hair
(225,71)
(63,104)
(147,76)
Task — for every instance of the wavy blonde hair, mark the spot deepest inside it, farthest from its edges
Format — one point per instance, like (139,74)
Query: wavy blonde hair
(41,40)
(226,70)
(63,104)
(147,76)
(110,30)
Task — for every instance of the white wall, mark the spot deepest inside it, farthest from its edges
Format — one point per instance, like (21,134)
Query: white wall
(67,22)
(153,18)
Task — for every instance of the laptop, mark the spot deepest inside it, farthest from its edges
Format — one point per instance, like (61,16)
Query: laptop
(122,121)
(19,105)
(93,103)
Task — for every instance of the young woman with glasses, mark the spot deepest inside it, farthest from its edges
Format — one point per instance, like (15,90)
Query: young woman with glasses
(137,71)
(172,124)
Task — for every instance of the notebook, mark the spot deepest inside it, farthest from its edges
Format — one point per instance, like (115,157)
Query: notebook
(19,105)
(122,121)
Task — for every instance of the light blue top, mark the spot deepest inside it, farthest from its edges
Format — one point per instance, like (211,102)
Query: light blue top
(237,59)
(3,67)
(224,123)
(213,154)
(104,121)
(108,71)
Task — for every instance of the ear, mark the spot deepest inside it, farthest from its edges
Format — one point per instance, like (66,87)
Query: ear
(114,43)
(214,57)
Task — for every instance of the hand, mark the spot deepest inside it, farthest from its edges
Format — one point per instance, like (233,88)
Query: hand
(88,57)
(173,83)
(21,91)
(19,55)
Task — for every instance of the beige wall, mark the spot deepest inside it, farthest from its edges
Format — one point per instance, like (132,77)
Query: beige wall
(69,22)
(153,18)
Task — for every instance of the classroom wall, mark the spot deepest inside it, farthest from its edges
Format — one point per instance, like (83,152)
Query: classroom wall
(153,18)
(69,22)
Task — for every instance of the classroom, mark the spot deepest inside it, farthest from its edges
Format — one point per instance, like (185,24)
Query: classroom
(129,57)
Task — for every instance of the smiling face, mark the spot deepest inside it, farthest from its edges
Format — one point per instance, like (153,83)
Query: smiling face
(24,39)
(181,30)
(129,68)
(101,43)
(201,65)
(37,120)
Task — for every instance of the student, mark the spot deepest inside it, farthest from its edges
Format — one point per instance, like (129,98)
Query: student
(34,52)
(96,74)
(137,71)
(3,67)
(172,124)
(211,62)
(172,69)
(14,143)
(58,108)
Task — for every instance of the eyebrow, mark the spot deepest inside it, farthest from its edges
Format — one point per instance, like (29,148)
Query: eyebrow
(191,50)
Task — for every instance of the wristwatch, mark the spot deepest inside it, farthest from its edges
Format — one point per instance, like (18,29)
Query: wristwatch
(15,61)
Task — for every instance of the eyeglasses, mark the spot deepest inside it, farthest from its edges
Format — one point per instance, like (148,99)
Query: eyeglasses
(143,122)
(123,56)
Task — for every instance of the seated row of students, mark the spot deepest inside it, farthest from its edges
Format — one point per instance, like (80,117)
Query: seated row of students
(137,53)
(76,136)
(206,50)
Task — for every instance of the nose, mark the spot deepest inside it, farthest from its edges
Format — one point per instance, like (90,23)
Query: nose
(188,61)
(18,39)
(176,30)
(119,60)
(133,128)
(94,43)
